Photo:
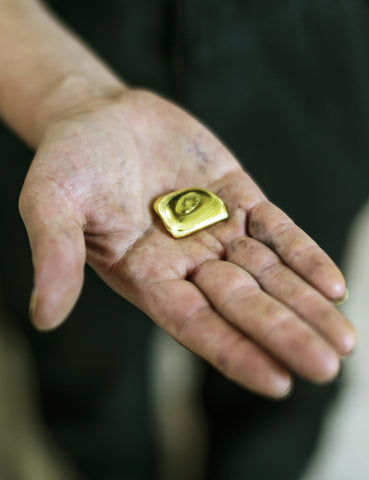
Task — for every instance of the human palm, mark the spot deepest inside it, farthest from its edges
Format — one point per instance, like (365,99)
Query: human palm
(252,294)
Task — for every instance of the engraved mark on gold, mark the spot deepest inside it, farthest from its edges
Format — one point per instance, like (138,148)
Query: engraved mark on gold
(187,203)
(188,210)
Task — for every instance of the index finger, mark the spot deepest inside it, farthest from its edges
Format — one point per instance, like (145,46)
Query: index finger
(268,224)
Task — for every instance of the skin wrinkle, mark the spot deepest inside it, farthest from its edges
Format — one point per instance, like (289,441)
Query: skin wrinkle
(225,231)
(300,251)
(258,227)
(311,298)
(188,320)
(154,297)
(59,185)
(193,269)
(202,268)
(271,269)
(121,257)
(145,264)
(248,250)
(211,242)
(200,153)
(271,239)
(244,291)
(280,322)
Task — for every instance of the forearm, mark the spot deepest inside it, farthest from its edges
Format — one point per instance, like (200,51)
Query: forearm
(44,69)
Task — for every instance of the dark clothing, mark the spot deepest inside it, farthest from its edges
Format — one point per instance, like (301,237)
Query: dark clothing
(285,85)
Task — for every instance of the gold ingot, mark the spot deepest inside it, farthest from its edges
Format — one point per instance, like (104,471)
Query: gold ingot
(186,211)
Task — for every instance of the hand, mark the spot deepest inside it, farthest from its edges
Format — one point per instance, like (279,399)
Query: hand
(252,294)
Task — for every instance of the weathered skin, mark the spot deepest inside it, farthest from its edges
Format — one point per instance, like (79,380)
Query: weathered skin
(252,294)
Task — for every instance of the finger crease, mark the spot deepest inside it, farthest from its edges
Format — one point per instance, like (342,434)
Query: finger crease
(247,291)
(278,324)
(271,270)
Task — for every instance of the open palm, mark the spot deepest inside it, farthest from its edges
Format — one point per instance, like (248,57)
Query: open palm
(252,294)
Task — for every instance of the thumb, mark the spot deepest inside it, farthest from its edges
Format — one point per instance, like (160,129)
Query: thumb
(58,251)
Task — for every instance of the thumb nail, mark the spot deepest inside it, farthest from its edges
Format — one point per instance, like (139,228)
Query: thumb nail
(32,303)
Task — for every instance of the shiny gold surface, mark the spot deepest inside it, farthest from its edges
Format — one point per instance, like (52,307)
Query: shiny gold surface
(186,211)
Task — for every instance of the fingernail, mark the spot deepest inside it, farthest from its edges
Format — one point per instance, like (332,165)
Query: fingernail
(347,355)
(343,299)
(32,303)
(287,393)
(284,388)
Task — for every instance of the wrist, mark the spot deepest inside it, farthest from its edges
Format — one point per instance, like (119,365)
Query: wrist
(69,93)
(45,70)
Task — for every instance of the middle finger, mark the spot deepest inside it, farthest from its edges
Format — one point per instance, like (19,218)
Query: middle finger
(239,299)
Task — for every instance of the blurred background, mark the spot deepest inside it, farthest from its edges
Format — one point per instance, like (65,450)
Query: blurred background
(285,85)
